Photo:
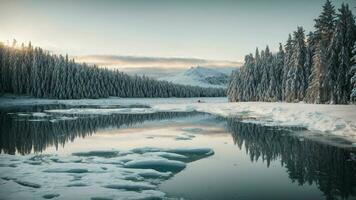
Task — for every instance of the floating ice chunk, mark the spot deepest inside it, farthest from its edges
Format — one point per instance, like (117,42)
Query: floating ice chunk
(113,161)
(159,164)
(39,114)
(132,195)
(8,165)
(65,159)
(101,198)
(23,114)
(37,120)
(192,130)
(64,170)
(62,119)
(8,178)
(183,137)
(167,155)
(105,154)
(91,174)
(192,151)
(33,162)
(131,186)
(27,184)
(189,135)
(77,185)
(146,149)
(50,196)
(150,173)
(151,194)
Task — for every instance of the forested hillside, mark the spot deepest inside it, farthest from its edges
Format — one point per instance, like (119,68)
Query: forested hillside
(33,71)
(315,68)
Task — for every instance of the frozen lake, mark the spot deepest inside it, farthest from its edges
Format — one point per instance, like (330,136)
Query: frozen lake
(138,153)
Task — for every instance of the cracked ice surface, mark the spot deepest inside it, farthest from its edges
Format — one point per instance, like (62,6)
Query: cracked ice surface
(108,174)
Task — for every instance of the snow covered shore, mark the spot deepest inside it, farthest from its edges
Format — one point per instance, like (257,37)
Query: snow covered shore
(330,119)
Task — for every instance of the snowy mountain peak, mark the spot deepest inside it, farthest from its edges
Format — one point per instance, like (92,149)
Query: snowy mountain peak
(200,76)
(202,71)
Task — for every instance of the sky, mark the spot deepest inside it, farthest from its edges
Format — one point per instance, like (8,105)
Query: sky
(166,31)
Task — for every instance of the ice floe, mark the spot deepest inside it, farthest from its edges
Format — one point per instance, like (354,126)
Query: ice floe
(101,174)
(192,130)
(183,137)
(159,164)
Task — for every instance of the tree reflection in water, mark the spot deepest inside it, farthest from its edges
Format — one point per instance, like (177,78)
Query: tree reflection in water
(306,161)
(23,136)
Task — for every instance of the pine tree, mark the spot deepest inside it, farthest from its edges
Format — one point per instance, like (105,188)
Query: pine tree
(353,78)
(286,68)
(278,72)
(298,59)
(341,53)
(324,25)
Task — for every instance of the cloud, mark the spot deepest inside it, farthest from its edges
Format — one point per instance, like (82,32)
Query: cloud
(126,62)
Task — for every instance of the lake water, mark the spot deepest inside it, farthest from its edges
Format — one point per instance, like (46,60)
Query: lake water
(249,161)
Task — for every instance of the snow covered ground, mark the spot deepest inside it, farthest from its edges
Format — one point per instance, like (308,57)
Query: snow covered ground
(337,120)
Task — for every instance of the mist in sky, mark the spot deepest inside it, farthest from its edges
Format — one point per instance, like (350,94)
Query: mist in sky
(208,30)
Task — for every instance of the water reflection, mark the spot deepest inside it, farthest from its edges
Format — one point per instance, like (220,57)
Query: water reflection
(21,135)
(307,162)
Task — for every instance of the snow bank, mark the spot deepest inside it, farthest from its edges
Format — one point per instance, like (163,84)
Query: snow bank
(102,174)
(331,119)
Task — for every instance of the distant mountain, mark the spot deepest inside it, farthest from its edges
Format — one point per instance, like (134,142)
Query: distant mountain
(201,76)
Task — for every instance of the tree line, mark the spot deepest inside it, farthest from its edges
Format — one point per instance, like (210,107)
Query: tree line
(316,68)
(33,71)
